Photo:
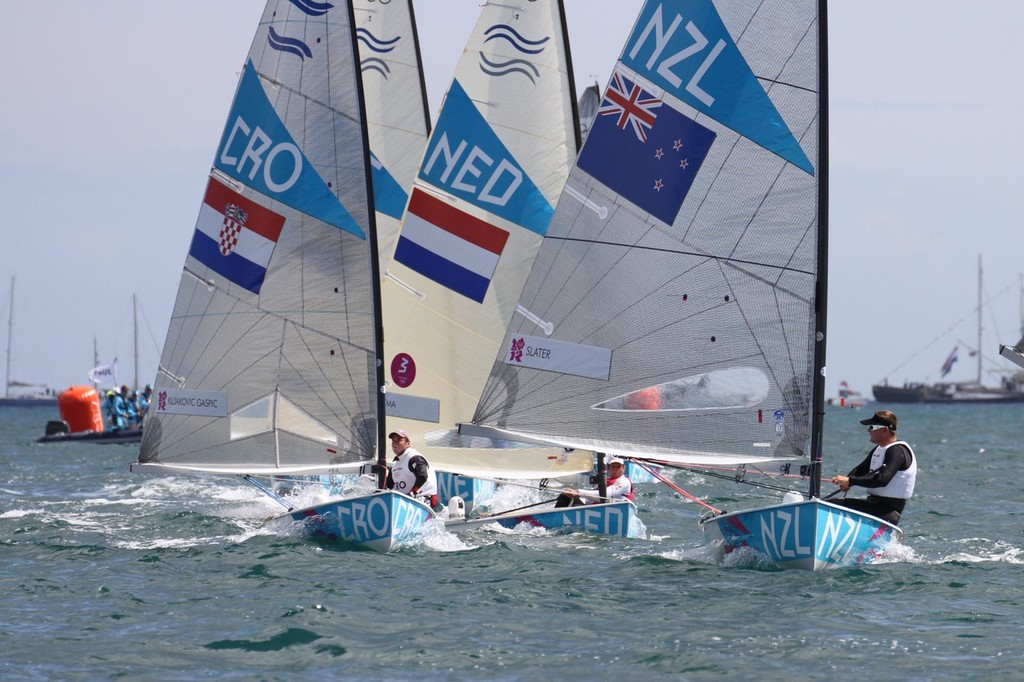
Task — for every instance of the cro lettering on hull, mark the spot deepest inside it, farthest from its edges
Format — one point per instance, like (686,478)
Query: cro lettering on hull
(381,521)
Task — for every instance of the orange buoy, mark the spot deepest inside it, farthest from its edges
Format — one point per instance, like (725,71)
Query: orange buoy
(80,407)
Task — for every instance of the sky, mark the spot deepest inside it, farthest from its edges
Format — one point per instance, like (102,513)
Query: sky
(112,109)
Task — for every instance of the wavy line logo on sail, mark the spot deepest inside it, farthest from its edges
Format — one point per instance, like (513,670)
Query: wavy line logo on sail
(374,43)
(313,9)
(290,45)
(378,45)
(511,66)
(524,45)
(516,65)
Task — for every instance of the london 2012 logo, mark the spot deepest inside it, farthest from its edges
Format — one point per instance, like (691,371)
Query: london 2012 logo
(161,401)
(517,350)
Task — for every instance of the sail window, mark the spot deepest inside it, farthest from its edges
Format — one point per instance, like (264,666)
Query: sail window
(253,419)
(290,418)
(259,418)
(720,389)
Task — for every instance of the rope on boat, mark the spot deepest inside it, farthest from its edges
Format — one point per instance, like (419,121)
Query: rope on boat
(649,469)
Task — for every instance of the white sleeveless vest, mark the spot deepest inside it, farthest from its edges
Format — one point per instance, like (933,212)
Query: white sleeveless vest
(405,478)
(902,484)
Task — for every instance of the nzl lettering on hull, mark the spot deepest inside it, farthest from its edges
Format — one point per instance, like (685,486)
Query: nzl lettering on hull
(806,531)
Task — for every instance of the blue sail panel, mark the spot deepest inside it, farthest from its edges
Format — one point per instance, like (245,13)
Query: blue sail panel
(257,150)
(466,158)
(688,51)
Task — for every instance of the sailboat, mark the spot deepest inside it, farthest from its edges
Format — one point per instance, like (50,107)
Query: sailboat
(676,310)
(22,397)
(973,392)
(272,360)
(505,138)
(398,124)
(590,101)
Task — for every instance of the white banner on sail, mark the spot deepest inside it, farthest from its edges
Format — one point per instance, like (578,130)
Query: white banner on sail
(104,374)
(558,356)
(183,401)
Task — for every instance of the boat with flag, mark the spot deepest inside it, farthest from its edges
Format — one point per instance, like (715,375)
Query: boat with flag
(272,363)
(974,391)
(676,310)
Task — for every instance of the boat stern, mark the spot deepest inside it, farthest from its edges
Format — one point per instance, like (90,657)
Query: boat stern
(809,535)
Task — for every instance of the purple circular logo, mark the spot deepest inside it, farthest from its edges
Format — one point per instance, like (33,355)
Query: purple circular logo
(403,370)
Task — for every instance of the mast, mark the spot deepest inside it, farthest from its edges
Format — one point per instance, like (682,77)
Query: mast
(10,336)
(135,339)
(821,288)
(572,76)
(371,236)
(979,319)
(419,60)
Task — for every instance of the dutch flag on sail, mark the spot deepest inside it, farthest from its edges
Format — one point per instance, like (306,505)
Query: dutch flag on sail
(448,246)
(235,236)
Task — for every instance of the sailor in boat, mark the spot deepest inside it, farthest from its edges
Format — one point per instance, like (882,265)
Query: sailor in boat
(145,398)
(410,472)
(889,472)
(618,487)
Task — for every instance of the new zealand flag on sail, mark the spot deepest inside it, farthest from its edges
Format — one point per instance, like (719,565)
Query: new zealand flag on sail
(643,149)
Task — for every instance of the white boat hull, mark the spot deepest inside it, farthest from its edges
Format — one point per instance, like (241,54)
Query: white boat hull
(381,521)
(610,518)
(810,535)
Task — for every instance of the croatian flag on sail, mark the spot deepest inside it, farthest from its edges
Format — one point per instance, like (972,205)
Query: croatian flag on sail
(235,236)
(947,366)
(448,246)
(643,149)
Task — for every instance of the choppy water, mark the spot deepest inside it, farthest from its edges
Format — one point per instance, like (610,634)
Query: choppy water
(109,575)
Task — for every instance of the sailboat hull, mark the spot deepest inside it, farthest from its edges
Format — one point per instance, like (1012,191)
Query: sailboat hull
(381,521)
(610,518)
(473,491)
(809,535)
(98,437)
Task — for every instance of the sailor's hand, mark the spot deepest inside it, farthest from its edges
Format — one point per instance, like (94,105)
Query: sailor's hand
(842,481)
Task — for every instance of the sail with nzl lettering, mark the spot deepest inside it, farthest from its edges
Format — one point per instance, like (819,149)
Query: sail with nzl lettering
(675,311)
(504,141)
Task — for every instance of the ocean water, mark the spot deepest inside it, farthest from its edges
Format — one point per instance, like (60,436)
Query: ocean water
(111,575)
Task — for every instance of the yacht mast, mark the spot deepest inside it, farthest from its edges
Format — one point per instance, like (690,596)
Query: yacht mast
(10,336)
(979,320)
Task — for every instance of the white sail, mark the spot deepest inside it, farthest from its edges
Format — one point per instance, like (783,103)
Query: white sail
(495,163)
(678,276)
(397,116)
(590,101)
(269,361)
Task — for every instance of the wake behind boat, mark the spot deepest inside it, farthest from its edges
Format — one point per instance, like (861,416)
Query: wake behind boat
(272,363)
